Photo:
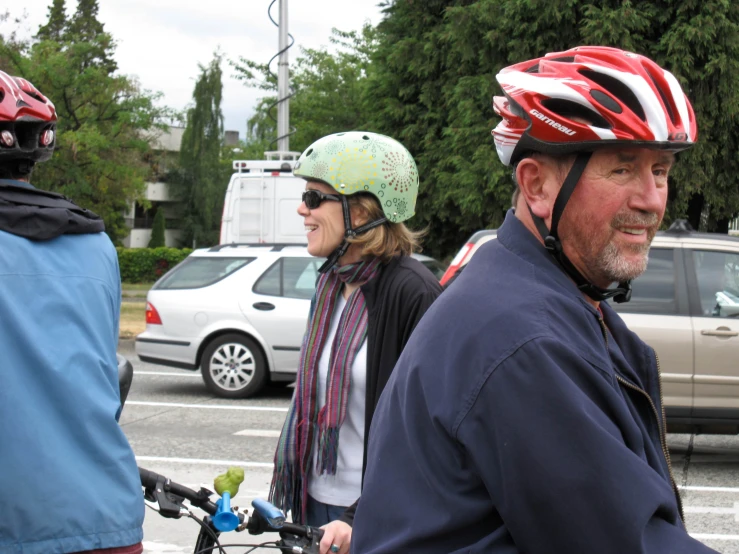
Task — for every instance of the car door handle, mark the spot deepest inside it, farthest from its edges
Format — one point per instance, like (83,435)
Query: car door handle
(720,332)
(264,306)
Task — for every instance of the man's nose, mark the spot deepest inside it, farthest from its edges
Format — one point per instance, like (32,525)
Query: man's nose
(651,195)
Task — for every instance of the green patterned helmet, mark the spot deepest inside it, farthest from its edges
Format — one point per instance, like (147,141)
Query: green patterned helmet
(358,161)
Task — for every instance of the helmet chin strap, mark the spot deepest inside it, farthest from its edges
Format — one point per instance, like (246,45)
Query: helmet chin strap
(621,293)
(349,233)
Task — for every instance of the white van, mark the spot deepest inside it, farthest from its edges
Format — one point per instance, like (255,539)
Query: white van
(262,200)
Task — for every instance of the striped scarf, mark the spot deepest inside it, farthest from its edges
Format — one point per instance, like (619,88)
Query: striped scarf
(294,453)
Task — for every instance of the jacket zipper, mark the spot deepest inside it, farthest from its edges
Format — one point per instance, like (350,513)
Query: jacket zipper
(662,426)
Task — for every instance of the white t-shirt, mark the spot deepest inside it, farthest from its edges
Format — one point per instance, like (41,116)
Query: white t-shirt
(343,488)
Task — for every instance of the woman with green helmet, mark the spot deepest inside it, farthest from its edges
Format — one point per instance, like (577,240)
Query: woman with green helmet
(360,188)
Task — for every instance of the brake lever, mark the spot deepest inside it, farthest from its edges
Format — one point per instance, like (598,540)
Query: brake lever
(170,504)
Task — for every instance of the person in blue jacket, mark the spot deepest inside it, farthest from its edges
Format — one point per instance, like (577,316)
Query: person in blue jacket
(523,416)
(68,476)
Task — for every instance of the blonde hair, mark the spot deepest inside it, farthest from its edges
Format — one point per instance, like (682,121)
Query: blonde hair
(384,241)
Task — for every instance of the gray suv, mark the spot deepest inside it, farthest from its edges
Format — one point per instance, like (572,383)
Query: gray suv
(686,306)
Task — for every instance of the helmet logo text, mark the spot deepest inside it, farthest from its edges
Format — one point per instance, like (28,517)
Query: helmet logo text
(552,123)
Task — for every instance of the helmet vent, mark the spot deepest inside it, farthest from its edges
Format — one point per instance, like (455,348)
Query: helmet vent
(563,59)
(572,110)
(660,88)
(606,101)
(35,96)
(365,137)
(309,152)
(617,89)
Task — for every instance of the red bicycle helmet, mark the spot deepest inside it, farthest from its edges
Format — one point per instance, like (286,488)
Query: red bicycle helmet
(587,98)
(27,121)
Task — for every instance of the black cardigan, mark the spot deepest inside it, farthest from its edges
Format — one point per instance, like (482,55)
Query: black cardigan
(396,301)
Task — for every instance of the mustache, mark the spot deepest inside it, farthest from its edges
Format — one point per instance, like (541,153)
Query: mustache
(635,219)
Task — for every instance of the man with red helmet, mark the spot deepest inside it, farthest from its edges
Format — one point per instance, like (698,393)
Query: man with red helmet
(68,476)
(523,415)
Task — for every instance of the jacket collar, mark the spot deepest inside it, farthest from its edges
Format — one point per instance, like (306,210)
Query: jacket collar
(16,183)
(514,235)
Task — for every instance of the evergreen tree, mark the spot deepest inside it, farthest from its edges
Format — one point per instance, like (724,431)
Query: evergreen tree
(432,77)
(84,26)
(202,178)
(56,25)
(157,230)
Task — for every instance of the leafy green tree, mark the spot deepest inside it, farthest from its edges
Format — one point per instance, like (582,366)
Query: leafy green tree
(433,74)
(84,26)
(103,118)
(327,90)
(157,230)
(202,178)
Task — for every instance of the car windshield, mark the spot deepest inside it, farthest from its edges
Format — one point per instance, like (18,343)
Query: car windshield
(197,272)
(435,267)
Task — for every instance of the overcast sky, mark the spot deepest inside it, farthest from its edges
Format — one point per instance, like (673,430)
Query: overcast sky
(162,41)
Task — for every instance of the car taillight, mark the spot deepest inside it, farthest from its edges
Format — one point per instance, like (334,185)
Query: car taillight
(152,316)
(456,263)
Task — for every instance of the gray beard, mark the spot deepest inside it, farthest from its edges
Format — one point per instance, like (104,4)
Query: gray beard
(616,268)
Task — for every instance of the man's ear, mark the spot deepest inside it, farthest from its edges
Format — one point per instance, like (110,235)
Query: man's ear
(536,179)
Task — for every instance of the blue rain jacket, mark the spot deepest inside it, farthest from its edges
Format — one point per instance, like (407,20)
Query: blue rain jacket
(68,477)
(517,422)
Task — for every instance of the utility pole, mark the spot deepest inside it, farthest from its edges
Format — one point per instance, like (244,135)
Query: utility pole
(283,85)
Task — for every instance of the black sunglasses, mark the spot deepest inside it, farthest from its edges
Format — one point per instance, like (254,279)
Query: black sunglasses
(313,198)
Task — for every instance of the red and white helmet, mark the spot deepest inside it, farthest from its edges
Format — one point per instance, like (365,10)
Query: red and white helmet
(27,121)
(587,98)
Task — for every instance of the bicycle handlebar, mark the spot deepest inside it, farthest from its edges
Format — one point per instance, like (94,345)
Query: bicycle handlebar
(161,485)
(162,489)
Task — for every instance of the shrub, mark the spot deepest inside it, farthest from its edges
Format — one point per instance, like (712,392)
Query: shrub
(157,230)
(146,265)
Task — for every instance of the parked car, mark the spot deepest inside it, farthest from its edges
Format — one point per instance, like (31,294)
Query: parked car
(434,265)
(465,254)
(686,306)
(236,312)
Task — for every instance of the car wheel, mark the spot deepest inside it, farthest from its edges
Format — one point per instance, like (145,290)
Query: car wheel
(233,367)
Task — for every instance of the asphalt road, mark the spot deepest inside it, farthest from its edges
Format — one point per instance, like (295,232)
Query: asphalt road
(180,430)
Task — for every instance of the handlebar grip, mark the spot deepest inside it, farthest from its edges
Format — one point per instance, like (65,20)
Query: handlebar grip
(200,499)
(148,478)
(302,530)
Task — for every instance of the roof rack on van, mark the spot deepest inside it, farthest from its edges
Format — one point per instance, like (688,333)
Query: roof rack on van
(276,246)
(681,226)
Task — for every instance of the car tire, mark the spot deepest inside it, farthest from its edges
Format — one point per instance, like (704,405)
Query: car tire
(233,366)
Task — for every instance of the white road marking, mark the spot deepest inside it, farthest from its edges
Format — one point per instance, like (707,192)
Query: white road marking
(153,547)
(204,406)
(258,433)
(169,373)
(200,461)
(708,489)
(714,510)
(711,537)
